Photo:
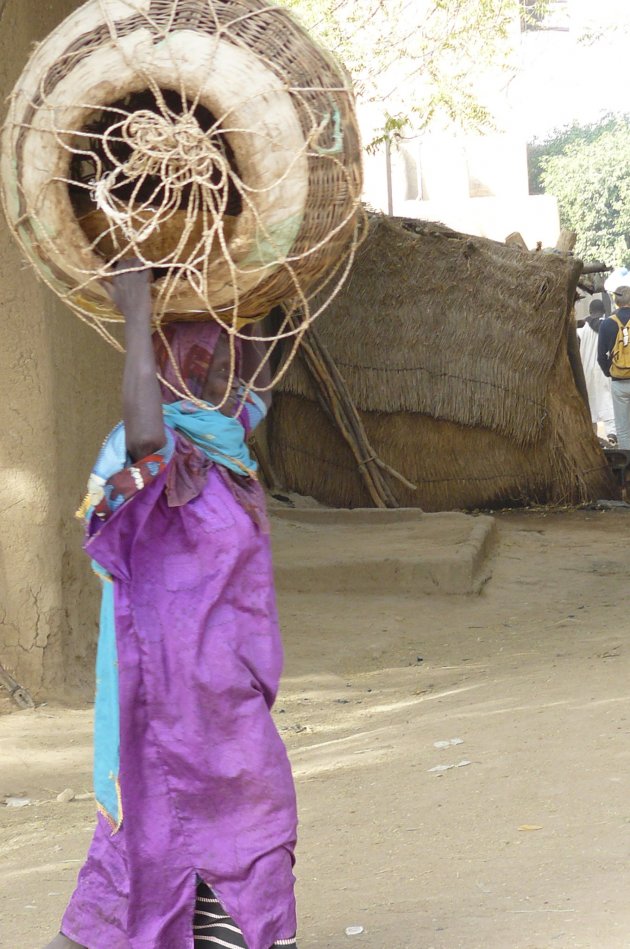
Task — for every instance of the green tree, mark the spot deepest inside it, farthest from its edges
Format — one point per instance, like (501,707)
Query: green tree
(421,60)
(558,142)
(588,169)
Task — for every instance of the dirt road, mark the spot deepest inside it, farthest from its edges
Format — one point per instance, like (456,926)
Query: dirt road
(522,844)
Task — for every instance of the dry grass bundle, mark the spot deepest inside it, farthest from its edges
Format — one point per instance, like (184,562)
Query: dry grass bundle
(455,351)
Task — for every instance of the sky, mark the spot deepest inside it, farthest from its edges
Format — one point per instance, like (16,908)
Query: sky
(565,78)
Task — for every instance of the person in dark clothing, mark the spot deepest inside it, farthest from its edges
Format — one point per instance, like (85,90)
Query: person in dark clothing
(597,385)
(620,387)
(596,313)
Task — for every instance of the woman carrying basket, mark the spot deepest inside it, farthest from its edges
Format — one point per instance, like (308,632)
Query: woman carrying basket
(197,827)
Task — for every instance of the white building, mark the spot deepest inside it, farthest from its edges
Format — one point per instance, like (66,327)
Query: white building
(478,184)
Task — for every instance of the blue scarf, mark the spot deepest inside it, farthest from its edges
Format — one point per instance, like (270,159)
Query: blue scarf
(220,437)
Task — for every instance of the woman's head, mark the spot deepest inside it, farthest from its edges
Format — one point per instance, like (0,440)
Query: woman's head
(202,353)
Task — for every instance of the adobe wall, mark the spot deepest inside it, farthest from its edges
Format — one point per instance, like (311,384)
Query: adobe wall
(60,385)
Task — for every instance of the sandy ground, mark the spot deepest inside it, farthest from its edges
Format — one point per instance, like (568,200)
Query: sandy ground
(525,846)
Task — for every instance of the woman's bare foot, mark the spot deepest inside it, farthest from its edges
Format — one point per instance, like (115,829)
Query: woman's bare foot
(62,942)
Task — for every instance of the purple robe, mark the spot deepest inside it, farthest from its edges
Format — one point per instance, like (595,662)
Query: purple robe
(205,782)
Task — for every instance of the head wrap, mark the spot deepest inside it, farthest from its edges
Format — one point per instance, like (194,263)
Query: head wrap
(192,347)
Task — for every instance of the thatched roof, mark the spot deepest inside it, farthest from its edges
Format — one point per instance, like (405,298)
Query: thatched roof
(454,348)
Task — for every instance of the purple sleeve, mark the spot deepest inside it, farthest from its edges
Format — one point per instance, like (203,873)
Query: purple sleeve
(110,541)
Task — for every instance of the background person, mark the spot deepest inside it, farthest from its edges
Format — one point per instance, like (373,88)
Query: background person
(613,356)
(598,385)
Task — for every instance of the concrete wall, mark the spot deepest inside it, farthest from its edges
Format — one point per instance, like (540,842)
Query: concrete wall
(60,386)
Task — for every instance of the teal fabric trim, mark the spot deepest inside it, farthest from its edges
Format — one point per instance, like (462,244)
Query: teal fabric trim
(220,437)
(106,710)
(337,146)
(273,243)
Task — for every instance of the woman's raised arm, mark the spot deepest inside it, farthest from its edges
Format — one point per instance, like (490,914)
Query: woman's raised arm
(142,402)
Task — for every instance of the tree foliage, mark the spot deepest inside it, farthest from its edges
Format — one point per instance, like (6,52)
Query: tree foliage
(588,169)
(421,60)
(558,142)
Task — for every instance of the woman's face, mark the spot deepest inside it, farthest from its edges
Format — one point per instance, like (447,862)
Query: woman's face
(218,380)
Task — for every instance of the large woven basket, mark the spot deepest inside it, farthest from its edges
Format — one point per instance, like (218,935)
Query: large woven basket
(240,94)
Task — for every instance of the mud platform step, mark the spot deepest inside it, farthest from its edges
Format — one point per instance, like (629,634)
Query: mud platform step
(370,551)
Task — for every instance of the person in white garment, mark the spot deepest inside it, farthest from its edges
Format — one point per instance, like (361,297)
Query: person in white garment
(597,384)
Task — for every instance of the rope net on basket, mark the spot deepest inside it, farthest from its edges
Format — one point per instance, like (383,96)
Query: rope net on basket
(210,140)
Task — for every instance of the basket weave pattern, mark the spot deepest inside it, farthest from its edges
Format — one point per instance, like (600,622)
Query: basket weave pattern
(257,208)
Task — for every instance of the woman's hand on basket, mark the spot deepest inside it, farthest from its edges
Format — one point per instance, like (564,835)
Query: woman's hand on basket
(130,289)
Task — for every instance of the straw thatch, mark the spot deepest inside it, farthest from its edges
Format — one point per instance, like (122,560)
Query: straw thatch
(454,349)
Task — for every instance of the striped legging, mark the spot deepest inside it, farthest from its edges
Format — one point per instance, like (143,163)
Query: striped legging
(213,926)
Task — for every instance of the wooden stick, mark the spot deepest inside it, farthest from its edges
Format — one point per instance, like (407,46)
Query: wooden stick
(596,268)
(20,696)
(516,240)
(327,388)
(364,454)
(334,396)
(395,474)
(566,241)
(351,424)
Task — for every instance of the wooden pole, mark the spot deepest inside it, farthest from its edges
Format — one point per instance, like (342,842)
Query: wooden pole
(388,172)
(566,242)
(516,240)
(20,696)
(338,404)
(596,268)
